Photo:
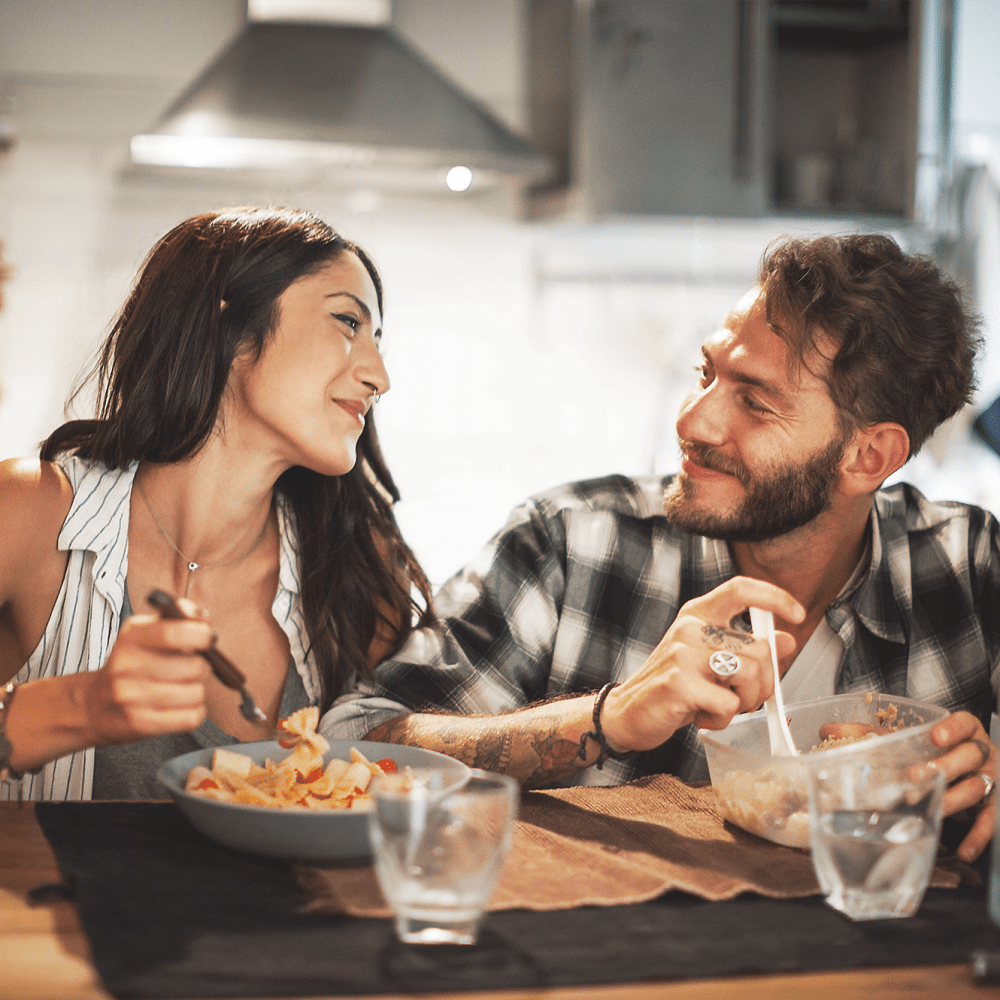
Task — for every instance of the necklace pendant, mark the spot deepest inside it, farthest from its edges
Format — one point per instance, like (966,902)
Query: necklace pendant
(192,566)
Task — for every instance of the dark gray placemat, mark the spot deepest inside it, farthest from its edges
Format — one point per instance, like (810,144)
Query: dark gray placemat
(170,914)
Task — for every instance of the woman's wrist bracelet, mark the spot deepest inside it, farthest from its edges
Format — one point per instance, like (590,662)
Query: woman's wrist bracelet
(7,773)
(597,733)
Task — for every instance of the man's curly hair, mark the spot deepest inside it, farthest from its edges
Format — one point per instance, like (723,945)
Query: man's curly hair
(907,344)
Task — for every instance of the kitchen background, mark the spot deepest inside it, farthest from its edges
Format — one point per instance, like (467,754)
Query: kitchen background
(537,330)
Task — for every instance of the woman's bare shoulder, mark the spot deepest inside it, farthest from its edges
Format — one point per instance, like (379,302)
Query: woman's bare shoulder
(35,497)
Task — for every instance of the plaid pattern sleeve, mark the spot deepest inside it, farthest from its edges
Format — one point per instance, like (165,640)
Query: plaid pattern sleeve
(584,580)
(576,590)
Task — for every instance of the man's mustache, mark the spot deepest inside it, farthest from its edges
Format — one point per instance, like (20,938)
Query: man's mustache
(713,459)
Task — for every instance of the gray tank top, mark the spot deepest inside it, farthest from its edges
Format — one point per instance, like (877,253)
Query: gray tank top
(128,771)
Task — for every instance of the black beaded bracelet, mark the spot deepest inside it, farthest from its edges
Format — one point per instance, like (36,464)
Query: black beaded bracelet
(597,733)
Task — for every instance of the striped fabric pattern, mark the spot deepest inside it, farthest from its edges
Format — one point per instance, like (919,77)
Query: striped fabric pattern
(584,580)
(84,622)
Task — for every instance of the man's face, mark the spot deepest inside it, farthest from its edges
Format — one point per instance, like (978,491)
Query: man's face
(760,440)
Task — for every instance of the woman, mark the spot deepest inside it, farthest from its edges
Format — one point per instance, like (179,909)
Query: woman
(233,463)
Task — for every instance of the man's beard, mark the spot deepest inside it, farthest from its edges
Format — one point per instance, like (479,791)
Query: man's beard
(776,502)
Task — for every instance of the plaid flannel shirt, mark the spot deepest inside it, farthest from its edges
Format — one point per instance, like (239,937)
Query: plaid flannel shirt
(585,579)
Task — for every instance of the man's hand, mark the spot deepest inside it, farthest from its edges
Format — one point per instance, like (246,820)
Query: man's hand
(540,744)
(676,686)
(969,757)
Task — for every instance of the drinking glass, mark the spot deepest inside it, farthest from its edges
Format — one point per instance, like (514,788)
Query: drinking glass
(874,831)
(438,847)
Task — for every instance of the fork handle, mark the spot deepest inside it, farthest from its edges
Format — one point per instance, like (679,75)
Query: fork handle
(222,667)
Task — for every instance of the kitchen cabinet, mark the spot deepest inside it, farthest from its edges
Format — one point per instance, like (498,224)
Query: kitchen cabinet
(843,96)
(736,108)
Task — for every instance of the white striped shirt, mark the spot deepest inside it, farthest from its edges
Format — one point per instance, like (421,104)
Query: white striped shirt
(84,622)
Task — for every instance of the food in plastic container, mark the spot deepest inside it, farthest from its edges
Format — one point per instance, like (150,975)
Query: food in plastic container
(767,795)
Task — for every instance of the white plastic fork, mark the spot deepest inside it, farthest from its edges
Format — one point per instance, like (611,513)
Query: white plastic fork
(762,623)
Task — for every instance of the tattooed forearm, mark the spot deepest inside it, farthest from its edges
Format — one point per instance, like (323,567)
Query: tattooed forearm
(720,637)
(393,731)
(534,749)
(557,757)
(493,753)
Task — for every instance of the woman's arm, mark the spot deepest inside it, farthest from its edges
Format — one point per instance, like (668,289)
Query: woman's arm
(153,682)
(35,498)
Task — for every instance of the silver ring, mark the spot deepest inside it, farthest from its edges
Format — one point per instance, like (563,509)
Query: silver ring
(990,784)
(724,663)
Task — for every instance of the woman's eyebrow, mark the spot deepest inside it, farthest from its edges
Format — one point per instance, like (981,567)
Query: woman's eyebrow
(364,309)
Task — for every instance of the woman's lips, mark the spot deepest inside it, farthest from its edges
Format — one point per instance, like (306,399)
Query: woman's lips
(354,407)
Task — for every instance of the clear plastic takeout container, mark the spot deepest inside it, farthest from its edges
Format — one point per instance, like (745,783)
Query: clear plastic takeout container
(768,796)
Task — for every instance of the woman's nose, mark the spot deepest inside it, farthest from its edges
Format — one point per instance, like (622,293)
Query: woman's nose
(371,368)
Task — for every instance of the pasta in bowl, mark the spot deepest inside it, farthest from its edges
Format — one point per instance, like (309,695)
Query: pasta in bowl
(270,810)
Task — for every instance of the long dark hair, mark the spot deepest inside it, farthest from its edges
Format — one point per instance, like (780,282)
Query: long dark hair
(161,376)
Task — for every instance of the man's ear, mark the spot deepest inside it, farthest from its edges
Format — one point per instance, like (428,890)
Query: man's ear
(872,455)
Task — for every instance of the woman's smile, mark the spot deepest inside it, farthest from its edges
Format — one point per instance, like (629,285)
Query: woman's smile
(356,407)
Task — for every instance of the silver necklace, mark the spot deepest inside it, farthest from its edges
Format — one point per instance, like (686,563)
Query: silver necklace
(191,564)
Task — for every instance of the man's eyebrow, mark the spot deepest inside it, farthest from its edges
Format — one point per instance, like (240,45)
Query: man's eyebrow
(745,378)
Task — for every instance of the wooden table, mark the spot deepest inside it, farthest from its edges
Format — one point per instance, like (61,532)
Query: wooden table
(43,951)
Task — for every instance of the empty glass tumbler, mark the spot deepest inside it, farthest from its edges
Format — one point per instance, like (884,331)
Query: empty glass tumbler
(438,848)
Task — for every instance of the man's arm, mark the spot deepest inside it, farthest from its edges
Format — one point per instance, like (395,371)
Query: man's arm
(537,746)
(540,744)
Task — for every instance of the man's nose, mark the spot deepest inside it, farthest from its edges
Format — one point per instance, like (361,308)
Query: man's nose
(702,416)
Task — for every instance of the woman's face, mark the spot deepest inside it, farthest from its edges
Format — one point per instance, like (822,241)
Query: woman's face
(304,401)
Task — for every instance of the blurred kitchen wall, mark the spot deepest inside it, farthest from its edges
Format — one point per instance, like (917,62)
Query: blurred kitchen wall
(525,349)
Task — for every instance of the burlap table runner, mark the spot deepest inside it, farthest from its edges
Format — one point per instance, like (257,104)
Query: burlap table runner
(629,843)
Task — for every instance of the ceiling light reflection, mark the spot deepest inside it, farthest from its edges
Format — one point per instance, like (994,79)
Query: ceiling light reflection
(237,152)
(458,179)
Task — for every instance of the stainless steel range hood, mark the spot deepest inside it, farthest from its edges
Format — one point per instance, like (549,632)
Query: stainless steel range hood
(357,101)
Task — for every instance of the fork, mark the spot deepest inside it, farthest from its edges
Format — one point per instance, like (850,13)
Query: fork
(762,623)
(221,665)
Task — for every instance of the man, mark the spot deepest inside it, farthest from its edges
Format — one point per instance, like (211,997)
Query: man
(824,379)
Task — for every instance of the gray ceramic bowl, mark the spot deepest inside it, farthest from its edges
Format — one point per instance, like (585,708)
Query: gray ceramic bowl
(299,834)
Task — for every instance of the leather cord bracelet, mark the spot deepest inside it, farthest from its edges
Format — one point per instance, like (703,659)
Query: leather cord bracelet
(597,733)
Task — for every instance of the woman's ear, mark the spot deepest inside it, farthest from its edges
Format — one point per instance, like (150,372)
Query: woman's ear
(872,455)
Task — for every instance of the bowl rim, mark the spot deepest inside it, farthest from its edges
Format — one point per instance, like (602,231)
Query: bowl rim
(178,792)
(894,737)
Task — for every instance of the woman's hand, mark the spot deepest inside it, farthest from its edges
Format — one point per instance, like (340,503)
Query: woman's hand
(152,683)
(676,686)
